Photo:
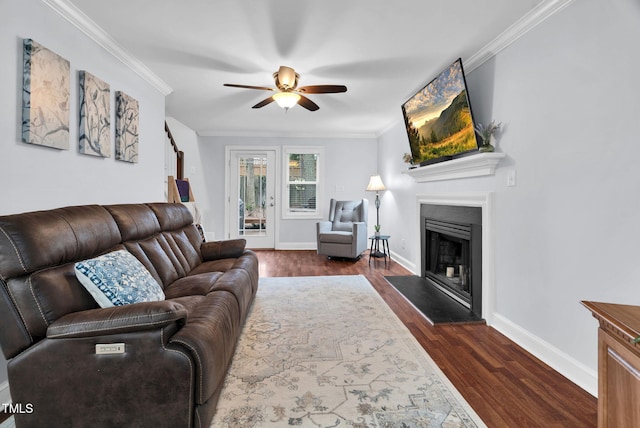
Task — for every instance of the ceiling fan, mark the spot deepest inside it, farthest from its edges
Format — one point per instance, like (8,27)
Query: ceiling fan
(288,94)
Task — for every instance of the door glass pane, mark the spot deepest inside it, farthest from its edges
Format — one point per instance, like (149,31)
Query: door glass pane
(252,199)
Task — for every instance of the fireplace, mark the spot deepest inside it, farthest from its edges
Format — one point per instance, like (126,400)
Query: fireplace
(452,252)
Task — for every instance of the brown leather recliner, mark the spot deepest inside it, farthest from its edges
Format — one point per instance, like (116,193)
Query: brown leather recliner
(176,351)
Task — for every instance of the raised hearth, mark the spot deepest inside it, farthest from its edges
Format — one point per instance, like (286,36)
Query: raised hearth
(437,307)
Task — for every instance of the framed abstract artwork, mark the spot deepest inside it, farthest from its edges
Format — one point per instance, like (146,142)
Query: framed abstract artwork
(95,120)
(126,128)
(45,97)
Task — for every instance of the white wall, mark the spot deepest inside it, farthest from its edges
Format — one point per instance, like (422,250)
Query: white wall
(567,95)
(349,162)
(41,178)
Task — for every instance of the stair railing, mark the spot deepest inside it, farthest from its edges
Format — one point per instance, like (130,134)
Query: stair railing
(178,152)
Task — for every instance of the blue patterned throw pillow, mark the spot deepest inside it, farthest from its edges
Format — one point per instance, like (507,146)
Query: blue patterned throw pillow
(118,278)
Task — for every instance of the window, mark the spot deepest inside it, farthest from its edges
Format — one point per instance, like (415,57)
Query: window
(303,182)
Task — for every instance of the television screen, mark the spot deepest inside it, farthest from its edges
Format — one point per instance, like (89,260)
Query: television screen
(438,118)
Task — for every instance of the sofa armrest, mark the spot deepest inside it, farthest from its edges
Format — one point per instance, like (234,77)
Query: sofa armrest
(228,249)
(118,319)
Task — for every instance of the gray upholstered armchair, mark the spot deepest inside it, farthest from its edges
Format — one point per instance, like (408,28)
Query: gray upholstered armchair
(345,234)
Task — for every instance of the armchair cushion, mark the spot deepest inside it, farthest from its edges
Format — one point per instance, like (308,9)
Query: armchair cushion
(345,214)
(337,237)
(118,278)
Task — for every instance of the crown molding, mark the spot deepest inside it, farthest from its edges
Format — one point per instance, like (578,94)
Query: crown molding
(380,132)
(536,16)
(85,24)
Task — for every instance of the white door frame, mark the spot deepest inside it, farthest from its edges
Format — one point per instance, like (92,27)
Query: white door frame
(229,151)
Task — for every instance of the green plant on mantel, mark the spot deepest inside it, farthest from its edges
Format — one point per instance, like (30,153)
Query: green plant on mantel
(407,158)
(636,340)
(485,133)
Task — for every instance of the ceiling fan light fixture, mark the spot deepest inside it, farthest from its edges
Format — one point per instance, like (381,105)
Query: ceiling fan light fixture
(287,94)
(286,78)
(286,100)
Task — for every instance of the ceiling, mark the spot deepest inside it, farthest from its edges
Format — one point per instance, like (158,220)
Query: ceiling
(382,50)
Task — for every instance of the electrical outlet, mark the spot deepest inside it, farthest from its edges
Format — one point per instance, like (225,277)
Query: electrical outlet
(402,243)
(511,178)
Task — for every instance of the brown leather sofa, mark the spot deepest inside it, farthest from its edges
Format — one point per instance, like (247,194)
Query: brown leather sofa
(176,351)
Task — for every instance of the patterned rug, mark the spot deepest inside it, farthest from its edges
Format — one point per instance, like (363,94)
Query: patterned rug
(328,352)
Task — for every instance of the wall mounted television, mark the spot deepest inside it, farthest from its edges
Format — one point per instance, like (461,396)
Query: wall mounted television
(438,118)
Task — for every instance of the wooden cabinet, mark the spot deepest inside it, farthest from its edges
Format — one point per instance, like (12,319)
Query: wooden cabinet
(618,364)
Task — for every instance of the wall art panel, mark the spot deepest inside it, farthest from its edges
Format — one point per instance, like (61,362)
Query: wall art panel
(95,119)
(126,127)
(45,97)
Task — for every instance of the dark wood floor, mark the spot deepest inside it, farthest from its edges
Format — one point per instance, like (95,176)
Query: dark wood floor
(504,384)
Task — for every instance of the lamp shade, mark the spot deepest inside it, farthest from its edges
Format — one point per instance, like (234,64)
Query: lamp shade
(375,184)
(286,100)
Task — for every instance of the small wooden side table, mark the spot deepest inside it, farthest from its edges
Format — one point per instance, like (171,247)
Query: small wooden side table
(618,364)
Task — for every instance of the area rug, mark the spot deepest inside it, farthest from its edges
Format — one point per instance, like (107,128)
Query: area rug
(328,352)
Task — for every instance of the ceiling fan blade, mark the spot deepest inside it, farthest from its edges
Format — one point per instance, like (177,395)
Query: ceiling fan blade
(262,88)
(307,103)
(323,89)
(264,102)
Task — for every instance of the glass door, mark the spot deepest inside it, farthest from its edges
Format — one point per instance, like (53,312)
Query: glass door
(252,197)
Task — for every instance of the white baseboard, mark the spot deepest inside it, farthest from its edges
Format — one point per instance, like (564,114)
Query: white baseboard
(296,245)
(410,266)
(5,396)
(564,364)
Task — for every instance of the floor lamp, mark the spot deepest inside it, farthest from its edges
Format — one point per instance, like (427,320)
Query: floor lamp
(376,185)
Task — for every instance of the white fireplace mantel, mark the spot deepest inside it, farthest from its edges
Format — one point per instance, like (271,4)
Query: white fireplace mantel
(469,166)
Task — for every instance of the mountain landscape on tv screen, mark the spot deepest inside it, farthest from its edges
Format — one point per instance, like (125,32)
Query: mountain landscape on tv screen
(452,120)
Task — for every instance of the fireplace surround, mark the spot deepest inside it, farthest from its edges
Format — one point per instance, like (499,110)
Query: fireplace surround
(452,252)
(481,204)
